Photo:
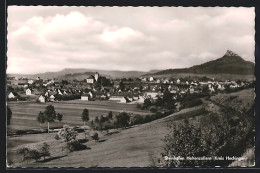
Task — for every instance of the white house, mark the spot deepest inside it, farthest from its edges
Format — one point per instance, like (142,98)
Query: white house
(166,81)
(52,98)
(30,82)
(28,92)
(220,87)
(59,92)
(178,81)
(191,90)
(151,79)
(41,99)
(11,95)
(84,97)
(158,81)
(90,80)
(143,79)
(118,99)
(151,94)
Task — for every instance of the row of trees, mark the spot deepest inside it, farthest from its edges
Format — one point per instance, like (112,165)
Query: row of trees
(49,115)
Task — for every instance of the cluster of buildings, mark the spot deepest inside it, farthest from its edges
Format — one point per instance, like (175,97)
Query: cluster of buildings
(50,90)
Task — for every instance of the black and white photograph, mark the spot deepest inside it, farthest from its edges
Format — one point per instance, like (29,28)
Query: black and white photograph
(162,87)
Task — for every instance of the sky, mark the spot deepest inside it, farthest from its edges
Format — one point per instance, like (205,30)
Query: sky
(48,38)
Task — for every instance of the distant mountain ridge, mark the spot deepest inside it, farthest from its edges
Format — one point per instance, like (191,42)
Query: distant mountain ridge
(230,63)
(83,73)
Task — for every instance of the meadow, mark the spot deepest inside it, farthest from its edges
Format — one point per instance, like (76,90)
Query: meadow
(138,146)
(25,113)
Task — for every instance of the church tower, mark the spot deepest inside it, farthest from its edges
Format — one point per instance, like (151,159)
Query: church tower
(96,76)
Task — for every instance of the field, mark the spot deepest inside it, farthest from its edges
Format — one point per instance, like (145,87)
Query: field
(138,146)
(25,113)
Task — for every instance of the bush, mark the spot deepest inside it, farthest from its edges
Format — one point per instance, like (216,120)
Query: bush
(45,150)
(75,145)
(67,133)
(57,137)
(28,154)
(216,135)
(191,103)
(138,105)
(35,155)
(23,152)
(153,109)
(95,136)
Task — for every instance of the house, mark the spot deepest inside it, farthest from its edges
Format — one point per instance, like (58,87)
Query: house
(220,87)
(158,81)
(166,81)
(173,91)
(41,99)
(28,92)
(38,78)
(11,95)
(151,94)
(46,94)
(178,81)
(84,97)
(118,99)
(103,97)
(59,92)
(52,98)
(30,82)
(143,79)
(191,90)
(151,79)
(90,80)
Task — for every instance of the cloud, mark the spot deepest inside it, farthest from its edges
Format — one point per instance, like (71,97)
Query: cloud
(44,39)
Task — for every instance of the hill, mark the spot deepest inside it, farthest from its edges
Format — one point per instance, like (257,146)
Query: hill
(230,63)
(82,73)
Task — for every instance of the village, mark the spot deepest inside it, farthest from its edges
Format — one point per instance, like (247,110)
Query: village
(97,87)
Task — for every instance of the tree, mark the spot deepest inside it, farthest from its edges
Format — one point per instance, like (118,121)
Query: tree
(168,100)
(9,115)
(24,152)
(67,133)
(41,118)
(59,118)
(147,103)
(122,119)
(122,86)
(85,117)
(50,115)
(110,115)
(95,136)
(45,150)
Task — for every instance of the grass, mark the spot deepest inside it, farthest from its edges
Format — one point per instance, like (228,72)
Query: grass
(139,146)
(25,113)
(191,114)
